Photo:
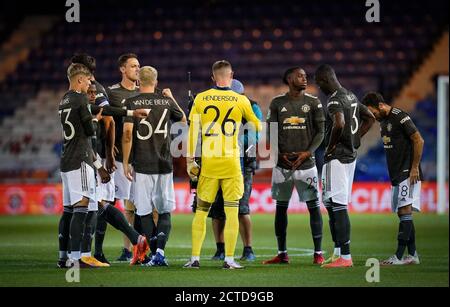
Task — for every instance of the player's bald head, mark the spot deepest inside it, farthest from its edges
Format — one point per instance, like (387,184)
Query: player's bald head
(222,69)
(148,76)
(326,79)
(326,72)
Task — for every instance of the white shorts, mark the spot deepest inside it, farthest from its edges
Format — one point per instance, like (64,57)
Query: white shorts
(93,204)
(153,191)
(337,182)
(107,191)
(78,184)
(406,194)
(305,182)
(122,184)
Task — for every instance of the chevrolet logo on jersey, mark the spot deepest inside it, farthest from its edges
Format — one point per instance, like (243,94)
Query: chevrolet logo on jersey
(294,120)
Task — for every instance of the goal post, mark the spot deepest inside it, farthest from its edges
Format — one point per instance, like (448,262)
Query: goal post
(442,145)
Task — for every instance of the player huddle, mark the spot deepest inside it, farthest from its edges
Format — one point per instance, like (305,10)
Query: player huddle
(117,145)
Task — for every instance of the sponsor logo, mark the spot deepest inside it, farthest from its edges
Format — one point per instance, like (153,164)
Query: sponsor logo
(15,203)
(294,120)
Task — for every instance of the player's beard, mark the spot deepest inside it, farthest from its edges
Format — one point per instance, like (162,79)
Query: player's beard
(301,87)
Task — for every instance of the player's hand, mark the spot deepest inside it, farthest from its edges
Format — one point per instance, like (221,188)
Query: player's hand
(115,151)
(140,113)
(285,159)
(110,164)
(329,151)
(167,93)
(128,171)
(99,116)
(301,157)
(193,169)
(104,175)
(414,176)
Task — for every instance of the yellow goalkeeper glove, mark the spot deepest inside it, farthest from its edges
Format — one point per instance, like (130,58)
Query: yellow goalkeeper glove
(193,169)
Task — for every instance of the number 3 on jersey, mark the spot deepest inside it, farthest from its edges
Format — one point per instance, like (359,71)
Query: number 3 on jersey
(68,123)
(150,128)
(355,108)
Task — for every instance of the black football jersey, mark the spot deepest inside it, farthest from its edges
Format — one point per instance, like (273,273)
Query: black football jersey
(151,136)
(396,130)
(76,121)
(117,95)
(347,103)
(297,121)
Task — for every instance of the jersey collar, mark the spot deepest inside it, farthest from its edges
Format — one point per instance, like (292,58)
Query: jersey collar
(222,88)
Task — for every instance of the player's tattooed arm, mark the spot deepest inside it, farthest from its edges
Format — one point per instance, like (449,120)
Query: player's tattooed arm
(367,118)
(418,143)
(127,142)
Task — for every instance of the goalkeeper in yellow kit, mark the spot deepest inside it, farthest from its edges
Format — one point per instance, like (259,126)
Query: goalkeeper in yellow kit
(215,122)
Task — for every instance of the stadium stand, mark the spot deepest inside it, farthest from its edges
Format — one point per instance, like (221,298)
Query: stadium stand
(261,41)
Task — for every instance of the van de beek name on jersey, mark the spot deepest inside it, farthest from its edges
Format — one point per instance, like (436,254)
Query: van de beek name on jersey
(152,102)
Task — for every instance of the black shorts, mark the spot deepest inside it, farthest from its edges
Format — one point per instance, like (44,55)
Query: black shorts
(217,209)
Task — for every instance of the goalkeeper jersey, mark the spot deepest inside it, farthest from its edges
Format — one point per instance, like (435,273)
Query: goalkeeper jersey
(215,121)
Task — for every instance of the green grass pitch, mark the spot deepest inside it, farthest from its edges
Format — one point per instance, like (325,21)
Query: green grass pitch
(28,255)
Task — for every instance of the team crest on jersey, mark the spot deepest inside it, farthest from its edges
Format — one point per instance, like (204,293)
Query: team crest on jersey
(306,108)
(389,127)
(386,140)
